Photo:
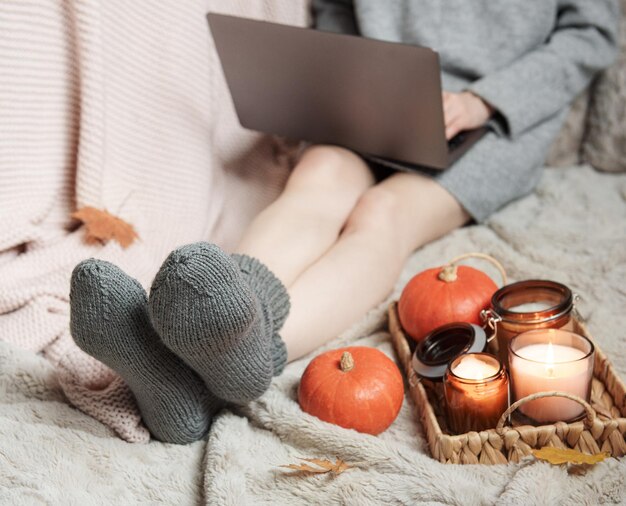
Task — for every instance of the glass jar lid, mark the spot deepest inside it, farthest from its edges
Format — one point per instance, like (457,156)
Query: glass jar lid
(532,301)
(444,344)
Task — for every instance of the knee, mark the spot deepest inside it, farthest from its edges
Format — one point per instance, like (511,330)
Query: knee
(379,215)
(329,168)
(377,209)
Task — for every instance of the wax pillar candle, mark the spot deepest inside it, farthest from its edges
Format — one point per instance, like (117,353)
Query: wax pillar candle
(476,390)
(551,360)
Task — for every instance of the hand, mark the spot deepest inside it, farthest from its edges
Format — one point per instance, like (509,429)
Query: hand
(464,111)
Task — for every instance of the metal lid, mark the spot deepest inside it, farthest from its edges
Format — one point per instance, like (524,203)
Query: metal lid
(444,344)
(557,298)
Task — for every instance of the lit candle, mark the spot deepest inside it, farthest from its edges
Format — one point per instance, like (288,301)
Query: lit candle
(551,360)
(476,389)
(473,368)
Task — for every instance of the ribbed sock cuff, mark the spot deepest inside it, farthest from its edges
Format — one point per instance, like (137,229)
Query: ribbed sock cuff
(275,300)
(279,354)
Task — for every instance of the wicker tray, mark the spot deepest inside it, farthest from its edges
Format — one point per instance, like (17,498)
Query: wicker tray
(602,429)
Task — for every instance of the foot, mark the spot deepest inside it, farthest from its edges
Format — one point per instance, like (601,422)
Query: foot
(109,320)
(221,318)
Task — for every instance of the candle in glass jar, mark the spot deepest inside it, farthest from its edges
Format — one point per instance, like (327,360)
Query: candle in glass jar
(531,307)
(476,389)
(551,360)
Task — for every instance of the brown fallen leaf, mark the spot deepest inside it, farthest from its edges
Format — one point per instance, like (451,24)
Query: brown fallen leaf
(101,226)
(578,469)
(323,466)
(567,456)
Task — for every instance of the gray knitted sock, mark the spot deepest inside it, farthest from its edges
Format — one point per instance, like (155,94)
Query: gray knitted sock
(109,320)
(274,300)
(221,315)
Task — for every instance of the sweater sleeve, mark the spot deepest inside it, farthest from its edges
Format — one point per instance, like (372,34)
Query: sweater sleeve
(335,16)
(543,81)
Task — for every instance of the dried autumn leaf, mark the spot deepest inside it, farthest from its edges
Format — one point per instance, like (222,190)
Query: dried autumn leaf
(102,226)
(323,466)
(305,468)
(341,467)
(326,464)
(578,469)
(567,456)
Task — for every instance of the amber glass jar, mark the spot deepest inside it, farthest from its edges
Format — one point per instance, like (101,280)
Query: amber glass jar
(528,305)
(476,390)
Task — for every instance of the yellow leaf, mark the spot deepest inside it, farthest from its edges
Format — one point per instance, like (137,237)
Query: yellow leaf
(102,226)
(323,466)
(567,456)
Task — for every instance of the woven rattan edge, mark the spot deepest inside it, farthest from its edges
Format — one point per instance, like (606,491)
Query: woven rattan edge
(512,444)
(425,410)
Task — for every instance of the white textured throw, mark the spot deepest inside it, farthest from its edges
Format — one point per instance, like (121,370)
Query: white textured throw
(571,230)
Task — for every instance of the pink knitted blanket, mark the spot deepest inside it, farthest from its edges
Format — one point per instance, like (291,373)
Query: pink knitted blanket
(121,106)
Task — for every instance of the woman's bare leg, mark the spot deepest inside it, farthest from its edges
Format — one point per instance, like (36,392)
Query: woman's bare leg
(305,221)
(338,243)
(389,221)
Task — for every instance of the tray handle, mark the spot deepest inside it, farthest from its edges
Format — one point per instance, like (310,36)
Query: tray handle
(483,256)
(590,413)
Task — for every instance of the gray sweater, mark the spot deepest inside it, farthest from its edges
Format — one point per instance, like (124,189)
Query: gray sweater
(527,58)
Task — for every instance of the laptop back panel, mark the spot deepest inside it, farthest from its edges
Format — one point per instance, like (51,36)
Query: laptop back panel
(371,96)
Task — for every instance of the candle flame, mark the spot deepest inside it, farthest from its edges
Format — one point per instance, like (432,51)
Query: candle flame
(550,359)
(480,374)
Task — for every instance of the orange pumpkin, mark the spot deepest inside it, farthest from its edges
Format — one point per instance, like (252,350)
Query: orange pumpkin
(356,387)
(443,295)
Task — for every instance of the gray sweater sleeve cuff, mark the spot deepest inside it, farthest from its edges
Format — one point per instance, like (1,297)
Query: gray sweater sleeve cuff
(545,80)
(498,125)
(335,16)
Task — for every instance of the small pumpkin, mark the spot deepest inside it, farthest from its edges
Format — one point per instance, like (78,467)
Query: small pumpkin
(441,295)
(357,388)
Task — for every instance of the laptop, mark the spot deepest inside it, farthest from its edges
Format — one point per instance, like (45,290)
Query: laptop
(380,99)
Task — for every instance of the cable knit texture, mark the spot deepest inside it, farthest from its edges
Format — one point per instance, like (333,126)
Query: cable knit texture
(109,320)
(219,320)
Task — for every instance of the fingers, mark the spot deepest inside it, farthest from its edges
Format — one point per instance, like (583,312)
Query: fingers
(448,105)
(464,111)
(453,129)
(450,112)
(453,114)
(454,126)
(452,106)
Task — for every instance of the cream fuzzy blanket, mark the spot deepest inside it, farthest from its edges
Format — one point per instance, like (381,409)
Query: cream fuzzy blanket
(571,230)
(121,105)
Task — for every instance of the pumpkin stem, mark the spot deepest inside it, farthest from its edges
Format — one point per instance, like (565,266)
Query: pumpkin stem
(347,362)
(448,273)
